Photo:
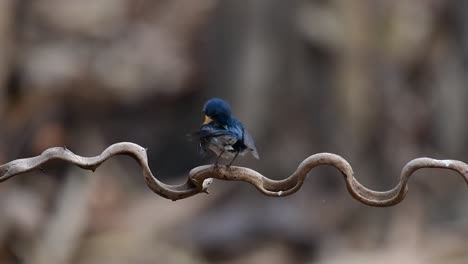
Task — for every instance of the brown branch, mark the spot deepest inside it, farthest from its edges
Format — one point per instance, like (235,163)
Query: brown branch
(200,177)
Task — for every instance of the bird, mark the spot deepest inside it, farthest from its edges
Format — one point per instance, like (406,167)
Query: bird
(222,134)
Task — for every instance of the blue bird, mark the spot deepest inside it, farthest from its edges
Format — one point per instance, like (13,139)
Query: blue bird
(222,134)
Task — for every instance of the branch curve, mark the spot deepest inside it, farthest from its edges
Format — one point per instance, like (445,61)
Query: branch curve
(200,177)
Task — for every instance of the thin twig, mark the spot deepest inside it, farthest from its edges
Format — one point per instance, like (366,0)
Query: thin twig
(200,177)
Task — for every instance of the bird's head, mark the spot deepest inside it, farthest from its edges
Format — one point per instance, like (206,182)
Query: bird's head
(218,111)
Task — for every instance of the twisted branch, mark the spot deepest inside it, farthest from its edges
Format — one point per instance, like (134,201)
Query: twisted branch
(200,177)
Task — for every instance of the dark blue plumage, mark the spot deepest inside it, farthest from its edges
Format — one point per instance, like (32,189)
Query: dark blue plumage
(222,134)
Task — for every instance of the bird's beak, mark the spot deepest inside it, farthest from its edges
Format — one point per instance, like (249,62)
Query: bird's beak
(207,120)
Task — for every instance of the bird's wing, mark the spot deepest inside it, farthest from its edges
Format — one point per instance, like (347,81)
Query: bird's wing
(208,132)
(223,137)
(248,141)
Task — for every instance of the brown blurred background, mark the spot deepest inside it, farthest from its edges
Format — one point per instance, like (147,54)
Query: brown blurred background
(378,82)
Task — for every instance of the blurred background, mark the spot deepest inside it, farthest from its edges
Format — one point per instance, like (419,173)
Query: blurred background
(377,82)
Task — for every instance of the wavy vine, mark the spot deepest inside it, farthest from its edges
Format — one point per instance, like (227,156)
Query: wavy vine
(201,177)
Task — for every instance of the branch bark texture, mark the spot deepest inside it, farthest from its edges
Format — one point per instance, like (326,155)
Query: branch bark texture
(200,177)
